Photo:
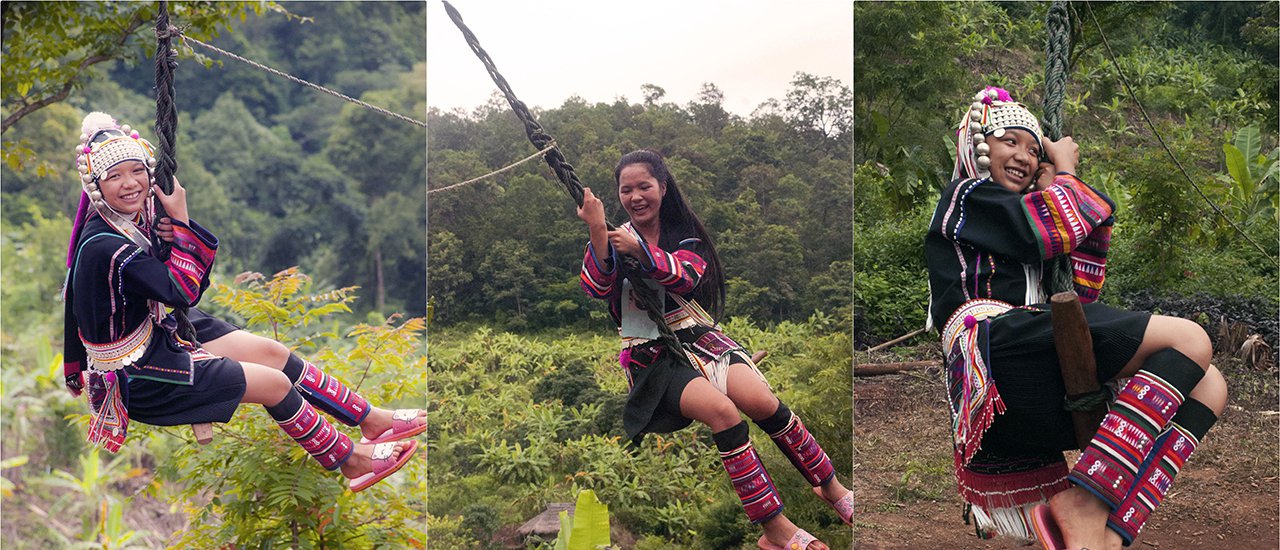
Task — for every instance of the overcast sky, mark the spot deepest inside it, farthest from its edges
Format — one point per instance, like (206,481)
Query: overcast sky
(554,49)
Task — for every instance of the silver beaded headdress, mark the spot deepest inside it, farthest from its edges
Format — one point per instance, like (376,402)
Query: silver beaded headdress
(992,112)
(104,144)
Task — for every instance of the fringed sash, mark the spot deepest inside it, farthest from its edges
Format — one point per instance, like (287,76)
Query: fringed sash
(973,396)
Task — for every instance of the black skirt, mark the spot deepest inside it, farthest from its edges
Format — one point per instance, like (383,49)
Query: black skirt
(1025,368)
(215,392)
(208,327)
(658,380)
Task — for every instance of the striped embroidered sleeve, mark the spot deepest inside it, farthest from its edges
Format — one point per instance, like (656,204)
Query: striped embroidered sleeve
(678,271)
(1063,216)
(191,258)
(981,214)
(598,277)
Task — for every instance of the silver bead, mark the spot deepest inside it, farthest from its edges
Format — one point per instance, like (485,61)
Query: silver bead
(977,106)
(974,127)
(998,132)
(126,128)
(84,138)
(981,95)
(994,95)
(978,138)
(95,196)
(982,148)
(151,161)
(86,178)
(975,115)
(82,168)
(984,163)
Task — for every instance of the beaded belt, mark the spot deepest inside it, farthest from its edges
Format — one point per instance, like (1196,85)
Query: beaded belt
(121,353)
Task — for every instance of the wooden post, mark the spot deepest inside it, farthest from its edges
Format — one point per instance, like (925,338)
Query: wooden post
(759,356)
(1075,354)
(204,432)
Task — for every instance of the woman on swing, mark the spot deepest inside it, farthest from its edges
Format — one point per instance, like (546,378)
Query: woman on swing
(680,263)
(137,366)
(1014,205)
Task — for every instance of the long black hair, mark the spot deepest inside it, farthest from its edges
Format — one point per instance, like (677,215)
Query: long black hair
(678,222)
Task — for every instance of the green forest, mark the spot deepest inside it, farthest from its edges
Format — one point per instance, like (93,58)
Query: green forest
(525,387)
(326,195)
(1206,74)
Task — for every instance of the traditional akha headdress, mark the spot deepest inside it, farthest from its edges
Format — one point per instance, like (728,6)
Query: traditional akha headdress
(104,144)
(992,112)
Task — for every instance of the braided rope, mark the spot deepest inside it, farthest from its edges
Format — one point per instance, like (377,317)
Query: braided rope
(495,172)
(333,93)
(630,268)
(1057,49)
(166,130)
(1087,402)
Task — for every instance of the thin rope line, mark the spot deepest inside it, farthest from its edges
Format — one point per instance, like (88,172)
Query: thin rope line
(308,84)
(1145,116)
(498,171)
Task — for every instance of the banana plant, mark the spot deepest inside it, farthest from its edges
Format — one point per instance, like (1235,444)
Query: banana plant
(1252,190)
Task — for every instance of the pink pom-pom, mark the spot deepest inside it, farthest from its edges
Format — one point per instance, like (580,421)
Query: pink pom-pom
(969,321)
(134,135)
(87,149)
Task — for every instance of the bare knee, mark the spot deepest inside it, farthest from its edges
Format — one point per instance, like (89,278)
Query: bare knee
(715,410)
(272,353)
(1212,391)
(1188,337)
(264,385)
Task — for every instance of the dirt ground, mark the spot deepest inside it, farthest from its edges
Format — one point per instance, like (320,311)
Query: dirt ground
(1227,496)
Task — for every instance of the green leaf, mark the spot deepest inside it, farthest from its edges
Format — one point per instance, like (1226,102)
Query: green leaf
(590,523)
(1249,141)
(1237,167)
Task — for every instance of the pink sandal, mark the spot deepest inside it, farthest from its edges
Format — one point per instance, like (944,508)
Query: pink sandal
(843,505)
(799,541)
(383,464)
(403,426)
(1046,528)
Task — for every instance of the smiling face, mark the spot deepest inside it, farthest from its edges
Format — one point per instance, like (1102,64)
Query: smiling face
(125,187)
(1015,156)
(641,194)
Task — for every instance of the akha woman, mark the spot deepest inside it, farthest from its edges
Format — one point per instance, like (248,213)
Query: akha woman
(1015,204)
(122,345)
(680,263)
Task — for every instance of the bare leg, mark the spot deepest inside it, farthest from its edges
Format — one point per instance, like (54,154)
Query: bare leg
(245,347)
(703,402)
(1083,516)
(752,396)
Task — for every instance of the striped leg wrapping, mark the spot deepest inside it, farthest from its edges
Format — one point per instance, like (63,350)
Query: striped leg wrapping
(752,483)
(803,451)
(1108,466)
(332,396)
(1172,449)
(317,436)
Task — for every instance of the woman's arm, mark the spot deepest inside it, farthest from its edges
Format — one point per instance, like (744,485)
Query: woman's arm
(679,271)
(598,273)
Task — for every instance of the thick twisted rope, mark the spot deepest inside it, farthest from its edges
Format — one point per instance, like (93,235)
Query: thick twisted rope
(1057,50)
(630,268)
(166,130)
(318,87)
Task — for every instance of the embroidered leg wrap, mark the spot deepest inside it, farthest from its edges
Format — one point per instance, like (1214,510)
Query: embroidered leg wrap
(752,483)
(1108,465)
(1171,451)
(317,436)
(326,392)
(795,441)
